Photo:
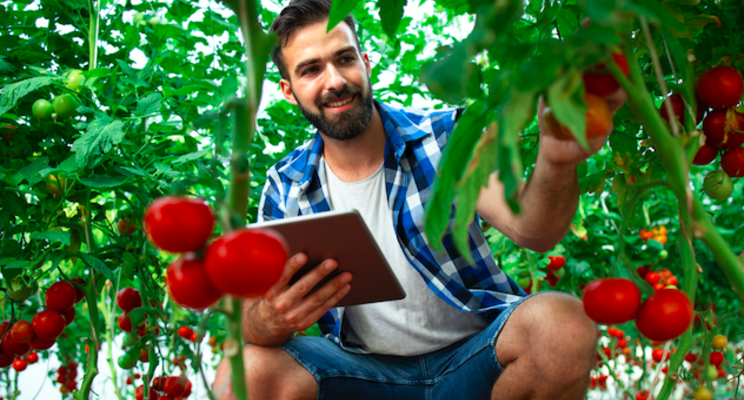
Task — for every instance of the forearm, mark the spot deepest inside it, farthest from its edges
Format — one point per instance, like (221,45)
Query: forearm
(255,330)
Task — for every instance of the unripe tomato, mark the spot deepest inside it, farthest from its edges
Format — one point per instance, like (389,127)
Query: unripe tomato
(732,162)
(57,184)
(720,87)
(48,324)
(125,227)
(138,17)
(721,128)
(705,155)
(22,331)
(719,342)
(19,365)
(75,80)
(11,347)
(703,393)
(664,315)
(60,296)
(603,83)
(128,299)
(20,291)
(126,361)
(611,301)
(65,105)
(598,119)
(188,283)
(717,185)
(179,224)
(246,262)
(174,386)
(42,109)
(524,282)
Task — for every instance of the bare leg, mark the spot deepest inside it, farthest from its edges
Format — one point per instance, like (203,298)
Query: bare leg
(271,374)
(548,348)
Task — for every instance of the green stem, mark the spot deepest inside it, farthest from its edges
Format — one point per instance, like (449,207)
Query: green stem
(108,316)
(234,349)
(95,11)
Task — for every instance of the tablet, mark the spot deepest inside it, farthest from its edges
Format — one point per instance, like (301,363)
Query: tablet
(344,237)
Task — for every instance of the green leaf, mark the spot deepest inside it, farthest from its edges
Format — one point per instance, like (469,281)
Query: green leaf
(738,235)
(99,266)
(339,11)
(19,264)
(15,91)
(100,138)
(593,183)
(656,13)
(102,181)
(699,22)
(391,12)
(52,236)
(622,143)
(31,172)
(517,110)
(149,104)
(564,98)
(191,157)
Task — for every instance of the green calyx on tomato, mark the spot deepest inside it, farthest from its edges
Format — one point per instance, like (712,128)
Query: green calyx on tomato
(717,185)
(65,105)
(42,109)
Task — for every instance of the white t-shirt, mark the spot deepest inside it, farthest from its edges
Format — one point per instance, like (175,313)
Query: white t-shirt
(421,322)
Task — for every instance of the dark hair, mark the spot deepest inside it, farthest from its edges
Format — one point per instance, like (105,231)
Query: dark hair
(296,14)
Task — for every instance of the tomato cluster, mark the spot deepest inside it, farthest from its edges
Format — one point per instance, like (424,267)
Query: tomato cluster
(658,233)
(172,387)
(661,279)
(66,376)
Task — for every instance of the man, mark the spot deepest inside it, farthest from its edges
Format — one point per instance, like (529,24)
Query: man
(462,332)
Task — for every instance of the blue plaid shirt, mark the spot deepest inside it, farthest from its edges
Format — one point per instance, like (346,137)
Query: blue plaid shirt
(414,145)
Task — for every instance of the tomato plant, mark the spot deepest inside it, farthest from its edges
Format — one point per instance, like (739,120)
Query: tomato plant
(664,315)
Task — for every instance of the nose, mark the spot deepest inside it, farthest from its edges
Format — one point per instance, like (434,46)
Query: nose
(333,78)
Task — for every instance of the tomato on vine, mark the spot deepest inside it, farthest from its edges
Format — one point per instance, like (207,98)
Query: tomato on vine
(42,109)
(720,87)
(664,315)
(179,224)
(717,185)
(732,162)
(719,342)
(603,83)
(705,155)
(66,105)
(60,296)
(22,332)
(188,283)
(128,299)
(598,119)
(48,324)
(19,365)
(611,300)
(723,128)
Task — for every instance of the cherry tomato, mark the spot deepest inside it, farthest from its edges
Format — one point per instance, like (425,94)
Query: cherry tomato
(32,357)
(664,315)
(48,324)
(126,361)
(5,360)
(246,262)
(174,386)
(69,315)
(717,185)
(603,83)
(188,283)
(720,87)
(128,299)
(22,331)
(678,108)
(719,342)
(60,296)
(11,347)
(732,162)
(556,262)
(42,109)
(716,358)
(20,365)
(598,119)
(705,155)
(65,105)
(56,185)
(611,301)
(125,323)
(179,224)
(139,393)
(38,343)
(721,129)
(641,395)
(125,227)
(657,354)
(652,277)
(185,332)
(703,393)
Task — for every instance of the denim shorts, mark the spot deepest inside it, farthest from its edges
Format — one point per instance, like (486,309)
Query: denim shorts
(467,369)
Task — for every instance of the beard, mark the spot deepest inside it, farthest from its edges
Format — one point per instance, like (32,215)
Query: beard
(348,124)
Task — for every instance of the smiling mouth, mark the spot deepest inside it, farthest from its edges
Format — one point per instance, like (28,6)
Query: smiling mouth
(339,103)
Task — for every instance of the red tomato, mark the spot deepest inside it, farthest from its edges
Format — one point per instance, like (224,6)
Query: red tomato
(656,354)
(188,283)
(672,280)
(598,119)
(19,365)
(665,315)
(179,224)
(716,358)
(38,343)
(642,271)
(603,83)
(48,324)
(641,395)
(556,262)
(732,162)
(125,323)
(185,332)
(705,155)
(678,108)
(5,360)
(60,296)
(128,299)
(22,331)
(652,277)
(246,262)
(11,347)
(157,383)
(174,386)
(139,393)
(69,315)
(721,126)
(720,87)
(611,300)
(79,294)
(32,358)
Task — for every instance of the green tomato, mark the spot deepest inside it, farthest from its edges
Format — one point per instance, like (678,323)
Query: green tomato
(126,361)
(20,291)
(138,18)
(130,339)
(712,372)
(75,80)
(155,20)
(663,255)
(42,109)
(559,273)
(66,105)
(524,282)
(717,185)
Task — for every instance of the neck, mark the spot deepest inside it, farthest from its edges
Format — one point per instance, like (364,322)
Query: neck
(357,159)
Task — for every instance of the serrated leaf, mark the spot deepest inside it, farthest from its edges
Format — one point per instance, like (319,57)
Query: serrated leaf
(102,181)
(52,236)
(339,11)
(149,104)
(99,139)
(391,12)
(99,266)
(15,91)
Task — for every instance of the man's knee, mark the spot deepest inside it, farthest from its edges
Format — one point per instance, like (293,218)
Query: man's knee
(270,373)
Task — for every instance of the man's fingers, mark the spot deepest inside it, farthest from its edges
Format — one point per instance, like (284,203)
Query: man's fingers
(314,315)
(293,265)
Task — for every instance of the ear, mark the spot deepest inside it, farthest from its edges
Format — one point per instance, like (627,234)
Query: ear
(286,88)
(367,64)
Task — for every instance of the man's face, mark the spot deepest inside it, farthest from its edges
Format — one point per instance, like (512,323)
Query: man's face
(329,80)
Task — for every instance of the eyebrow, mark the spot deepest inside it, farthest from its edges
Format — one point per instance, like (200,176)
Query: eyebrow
(305,63)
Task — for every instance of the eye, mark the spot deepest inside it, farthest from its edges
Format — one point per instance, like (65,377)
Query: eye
(308,71)
(347,59)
